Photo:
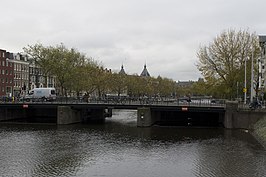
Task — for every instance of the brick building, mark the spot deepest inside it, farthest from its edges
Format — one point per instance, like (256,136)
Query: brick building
(6,75)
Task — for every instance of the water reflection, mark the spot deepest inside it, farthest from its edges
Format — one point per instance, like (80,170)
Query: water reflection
(119,148)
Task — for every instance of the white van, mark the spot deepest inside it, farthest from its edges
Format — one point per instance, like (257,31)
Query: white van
(41,94)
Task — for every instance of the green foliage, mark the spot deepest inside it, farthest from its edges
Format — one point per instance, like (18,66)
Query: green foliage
(222,61)
(65,64)
(75,73)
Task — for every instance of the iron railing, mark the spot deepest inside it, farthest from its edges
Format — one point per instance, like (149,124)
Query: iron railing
(125,101)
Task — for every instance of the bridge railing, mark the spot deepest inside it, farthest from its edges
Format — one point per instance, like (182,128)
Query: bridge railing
(125,101)
(132,101)
(248,106)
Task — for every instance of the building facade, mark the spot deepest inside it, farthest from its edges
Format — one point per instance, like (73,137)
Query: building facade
(6,75)
(38,79)
(262,61)
(21,73)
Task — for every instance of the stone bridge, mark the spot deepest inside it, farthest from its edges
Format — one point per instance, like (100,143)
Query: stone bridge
(229,115)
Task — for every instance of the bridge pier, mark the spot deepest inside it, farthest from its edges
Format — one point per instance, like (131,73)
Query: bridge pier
(231,108)
(145,118)
(66,115)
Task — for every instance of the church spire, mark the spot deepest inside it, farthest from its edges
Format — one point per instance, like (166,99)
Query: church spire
(145,72)
(122,71)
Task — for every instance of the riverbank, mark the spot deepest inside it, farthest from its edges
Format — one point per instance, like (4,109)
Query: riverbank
(260,131)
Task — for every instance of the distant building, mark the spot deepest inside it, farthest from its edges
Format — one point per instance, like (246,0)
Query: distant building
(145,72)
(21,73)
(185,84)
(6,75)
(37,78)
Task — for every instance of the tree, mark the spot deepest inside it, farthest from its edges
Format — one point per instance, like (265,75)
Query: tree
(88,73)
(102,79)
(165,87)
(133,85)
(199,88)
(118,83)
(222,62)
(60,62)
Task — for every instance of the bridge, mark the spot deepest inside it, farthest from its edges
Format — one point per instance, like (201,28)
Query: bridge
(167,112)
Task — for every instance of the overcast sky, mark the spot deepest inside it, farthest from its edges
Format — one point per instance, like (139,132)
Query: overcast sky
(164,34)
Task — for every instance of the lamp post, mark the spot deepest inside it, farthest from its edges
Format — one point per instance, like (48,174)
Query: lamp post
(252,78)
(245,83)
(237,90)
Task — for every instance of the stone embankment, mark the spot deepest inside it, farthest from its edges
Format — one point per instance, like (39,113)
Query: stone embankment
(260,131)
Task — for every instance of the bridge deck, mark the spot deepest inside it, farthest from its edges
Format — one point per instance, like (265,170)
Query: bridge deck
(173,106)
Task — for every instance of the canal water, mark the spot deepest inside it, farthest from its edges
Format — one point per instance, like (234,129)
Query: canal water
(120,149)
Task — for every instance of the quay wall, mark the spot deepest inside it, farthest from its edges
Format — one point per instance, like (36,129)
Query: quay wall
(67,115)
(236,117)
(260,131)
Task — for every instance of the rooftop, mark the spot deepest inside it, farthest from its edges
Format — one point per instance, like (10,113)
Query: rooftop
(145,72)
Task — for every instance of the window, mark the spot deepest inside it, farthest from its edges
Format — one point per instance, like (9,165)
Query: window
(53,92)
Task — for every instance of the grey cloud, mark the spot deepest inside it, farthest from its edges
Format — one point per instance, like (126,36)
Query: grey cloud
(165,34)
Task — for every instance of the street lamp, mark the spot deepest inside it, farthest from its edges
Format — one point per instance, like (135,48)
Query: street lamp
(252,77)
(245,83)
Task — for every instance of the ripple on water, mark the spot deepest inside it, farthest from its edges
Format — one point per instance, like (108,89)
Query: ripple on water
(120,150)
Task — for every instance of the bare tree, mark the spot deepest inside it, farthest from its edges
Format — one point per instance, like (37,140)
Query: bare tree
(222,63)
